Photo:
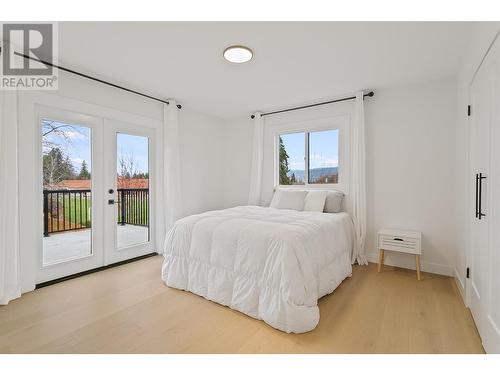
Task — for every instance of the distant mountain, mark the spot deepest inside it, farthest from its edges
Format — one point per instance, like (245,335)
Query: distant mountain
(314,173)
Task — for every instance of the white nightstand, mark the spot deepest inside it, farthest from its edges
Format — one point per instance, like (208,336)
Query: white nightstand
(402,241)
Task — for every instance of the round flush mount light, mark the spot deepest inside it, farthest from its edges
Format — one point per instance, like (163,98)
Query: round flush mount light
(238,54)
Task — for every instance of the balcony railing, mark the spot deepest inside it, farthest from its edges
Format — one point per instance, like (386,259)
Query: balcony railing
(65,210)
(133,206)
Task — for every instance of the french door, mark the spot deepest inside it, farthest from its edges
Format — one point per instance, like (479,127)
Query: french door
(129,198)
(95,192)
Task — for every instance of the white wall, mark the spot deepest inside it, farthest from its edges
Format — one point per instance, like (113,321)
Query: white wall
(201,151)
(480,41)
(411,165)
(237,161)
(202,159)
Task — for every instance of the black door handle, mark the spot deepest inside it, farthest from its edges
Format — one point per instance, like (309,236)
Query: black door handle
(477,194)
(479,210)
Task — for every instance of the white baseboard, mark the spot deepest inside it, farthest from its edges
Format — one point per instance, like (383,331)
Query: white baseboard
(408,261)
(460,285)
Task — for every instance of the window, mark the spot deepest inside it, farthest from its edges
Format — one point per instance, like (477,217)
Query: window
(310,157)
(292,159)
(324,157)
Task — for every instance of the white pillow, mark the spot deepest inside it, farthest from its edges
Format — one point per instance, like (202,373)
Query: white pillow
(333,201)
(289,199)
(315,201)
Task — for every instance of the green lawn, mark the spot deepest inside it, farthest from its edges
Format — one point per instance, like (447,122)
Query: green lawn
(76,212)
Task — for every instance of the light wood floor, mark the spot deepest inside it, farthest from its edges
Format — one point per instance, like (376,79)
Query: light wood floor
(129,310)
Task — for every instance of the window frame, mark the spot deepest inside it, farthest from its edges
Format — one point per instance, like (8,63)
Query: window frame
(340,123)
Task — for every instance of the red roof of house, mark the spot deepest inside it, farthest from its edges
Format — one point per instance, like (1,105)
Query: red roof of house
(73,184)
(133,183)
(123,183)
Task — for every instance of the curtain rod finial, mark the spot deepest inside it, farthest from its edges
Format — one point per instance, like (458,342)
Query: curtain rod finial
(370,94)
(179,106)
(252,117)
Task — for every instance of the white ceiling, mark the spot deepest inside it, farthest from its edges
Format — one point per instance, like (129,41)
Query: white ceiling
(294,63)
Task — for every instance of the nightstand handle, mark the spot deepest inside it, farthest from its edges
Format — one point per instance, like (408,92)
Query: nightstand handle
(397,239)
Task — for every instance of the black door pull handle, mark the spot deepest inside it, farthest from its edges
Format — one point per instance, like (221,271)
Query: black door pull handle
(480,179)
(477,194)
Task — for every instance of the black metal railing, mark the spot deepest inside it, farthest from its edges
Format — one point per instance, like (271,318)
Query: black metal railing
(133,206)
(65,210)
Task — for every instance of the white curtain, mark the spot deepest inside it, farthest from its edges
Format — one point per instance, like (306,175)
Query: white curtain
(10,287)
(359,181)
(172,193)
(254,195)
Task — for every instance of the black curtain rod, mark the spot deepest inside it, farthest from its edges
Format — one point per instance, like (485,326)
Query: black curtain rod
(92,78)
(370,94)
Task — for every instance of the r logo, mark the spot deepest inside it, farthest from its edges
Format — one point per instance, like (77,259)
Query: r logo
(33,40)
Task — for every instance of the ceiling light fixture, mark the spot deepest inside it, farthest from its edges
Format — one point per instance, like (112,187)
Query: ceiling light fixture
(238,54)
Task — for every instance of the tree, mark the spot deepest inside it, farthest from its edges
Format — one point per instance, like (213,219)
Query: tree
(84,172)
(293,179)
(56,167)
(142,175)
(284,170)
(53,129)
(128,169)
(56,138)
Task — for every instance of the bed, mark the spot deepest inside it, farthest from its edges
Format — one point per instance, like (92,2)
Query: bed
(271,264)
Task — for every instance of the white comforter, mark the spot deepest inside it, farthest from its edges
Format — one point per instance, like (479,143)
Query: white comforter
(271,264)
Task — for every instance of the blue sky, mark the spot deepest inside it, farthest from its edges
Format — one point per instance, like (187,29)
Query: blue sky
(135,146)
(77,145)
(323,149)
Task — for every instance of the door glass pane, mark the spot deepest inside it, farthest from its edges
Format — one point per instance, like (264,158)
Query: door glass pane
(324,157)
(132,189)
(291,159)
(67,191)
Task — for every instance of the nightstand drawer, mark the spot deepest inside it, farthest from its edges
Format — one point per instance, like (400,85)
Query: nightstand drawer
(399,243)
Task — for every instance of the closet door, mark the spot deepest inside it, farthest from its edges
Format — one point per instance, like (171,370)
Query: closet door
(494,222)
(483,286)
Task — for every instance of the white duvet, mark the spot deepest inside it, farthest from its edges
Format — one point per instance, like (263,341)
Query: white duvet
(271,264)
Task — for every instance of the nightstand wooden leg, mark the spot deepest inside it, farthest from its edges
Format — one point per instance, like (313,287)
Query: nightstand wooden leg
(417,261)
(380,260)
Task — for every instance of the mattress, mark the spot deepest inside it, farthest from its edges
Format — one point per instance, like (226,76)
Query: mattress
(271,264)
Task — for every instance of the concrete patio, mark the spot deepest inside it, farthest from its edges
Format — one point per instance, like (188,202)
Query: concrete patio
(64,246)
